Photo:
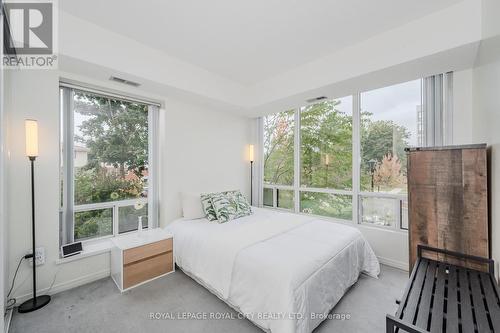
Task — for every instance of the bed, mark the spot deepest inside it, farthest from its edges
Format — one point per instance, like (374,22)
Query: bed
(283,271)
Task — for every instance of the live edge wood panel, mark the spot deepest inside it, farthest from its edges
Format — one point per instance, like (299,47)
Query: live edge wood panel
(448,201)
(146,262)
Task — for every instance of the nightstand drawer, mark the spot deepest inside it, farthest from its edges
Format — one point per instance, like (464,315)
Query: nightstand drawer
(146,251)
(137,258)
(147,269)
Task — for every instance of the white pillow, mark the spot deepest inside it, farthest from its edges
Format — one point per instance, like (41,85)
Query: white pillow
(191,206)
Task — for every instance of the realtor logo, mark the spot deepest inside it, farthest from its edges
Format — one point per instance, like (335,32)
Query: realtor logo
(29,34)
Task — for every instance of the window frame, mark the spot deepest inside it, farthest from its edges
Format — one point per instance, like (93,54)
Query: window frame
(356,193)
(67,208)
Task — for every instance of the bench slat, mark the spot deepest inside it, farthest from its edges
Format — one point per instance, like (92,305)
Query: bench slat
(452,304)
(465,302)
(412,302)
(425,303)
(437,307)
(491,300)
(479,309)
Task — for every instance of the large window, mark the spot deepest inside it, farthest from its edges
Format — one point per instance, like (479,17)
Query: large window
(344,158)
(107,158)
(390,122)
(278,148)
(326,144)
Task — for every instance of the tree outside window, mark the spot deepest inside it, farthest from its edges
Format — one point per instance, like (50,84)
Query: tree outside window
(113,135)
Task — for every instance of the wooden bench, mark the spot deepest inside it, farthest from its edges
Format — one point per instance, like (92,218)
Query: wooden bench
(441,297)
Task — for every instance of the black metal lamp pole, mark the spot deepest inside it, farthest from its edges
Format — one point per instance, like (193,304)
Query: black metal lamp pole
(372,164)
(36,302)
(373,174)
(32,162)
(251,182)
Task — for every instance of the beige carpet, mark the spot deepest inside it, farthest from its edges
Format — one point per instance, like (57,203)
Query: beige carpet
(99,307)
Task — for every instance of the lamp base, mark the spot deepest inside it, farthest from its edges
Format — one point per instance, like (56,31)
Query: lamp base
(34,304)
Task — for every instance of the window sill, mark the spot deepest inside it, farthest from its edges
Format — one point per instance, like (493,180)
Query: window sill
(90,249)
(346,222)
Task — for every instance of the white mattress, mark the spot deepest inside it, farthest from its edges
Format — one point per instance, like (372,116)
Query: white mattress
(284,271)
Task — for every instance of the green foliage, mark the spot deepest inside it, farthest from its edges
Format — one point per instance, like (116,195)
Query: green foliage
(379,139)
(285,199)
(326,134)
(278,148)
(382,137)
(94,223)
(115,131)
(97,185)
(325,204)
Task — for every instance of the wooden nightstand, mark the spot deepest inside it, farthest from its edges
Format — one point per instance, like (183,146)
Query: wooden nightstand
(141,257)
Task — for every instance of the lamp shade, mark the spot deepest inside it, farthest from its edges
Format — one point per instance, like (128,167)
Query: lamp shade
(31,128)
(251,153)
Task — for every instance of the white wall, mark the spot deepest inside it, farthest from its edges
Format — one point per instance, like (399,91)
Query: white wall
(3,192)
(205,151)
(34,94)
(486,102)
(490,25)
(462,107)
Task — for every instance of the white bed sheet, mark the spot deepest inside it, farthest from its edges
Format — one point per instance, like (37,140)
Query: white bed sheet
(284,271)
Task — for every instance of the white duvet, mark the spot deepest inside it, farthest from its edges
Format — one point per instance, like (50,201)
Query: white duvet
(284,271)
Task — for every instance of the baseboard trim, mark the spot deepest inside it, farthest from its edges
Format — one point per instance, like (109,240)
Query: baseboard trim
(394,263)
(57,288)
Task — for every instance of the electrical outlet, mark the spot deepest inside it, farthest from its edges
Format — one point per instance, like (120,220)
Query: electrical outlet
(39,256)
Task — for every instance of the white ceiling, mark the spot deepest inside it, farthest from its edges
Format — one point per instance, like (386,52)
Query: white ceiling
(249,41)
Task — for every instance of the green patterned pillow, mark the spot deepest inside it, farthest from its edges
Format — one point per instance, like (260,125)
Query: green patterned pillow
(230,205)
(206,202)
(225,208)
(242,206)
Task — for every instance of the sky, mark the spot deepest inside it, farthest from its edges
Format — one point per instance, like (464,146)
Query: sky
(397,103)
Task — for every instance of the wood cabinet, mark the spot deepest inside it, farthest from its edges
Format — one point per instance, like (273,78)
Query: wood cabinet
(138,258)
(448,200)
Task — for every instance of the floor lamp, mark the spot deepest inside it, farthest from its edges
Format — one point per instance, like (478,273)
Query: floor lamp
(251,157)
(31,127)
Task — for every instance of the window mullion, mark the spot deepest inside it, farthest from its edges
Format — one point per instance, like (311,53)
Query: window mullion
(275,197)
(399,217)
(296,159)
(356,155)
(153,181)
(69,181)
(115,220)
